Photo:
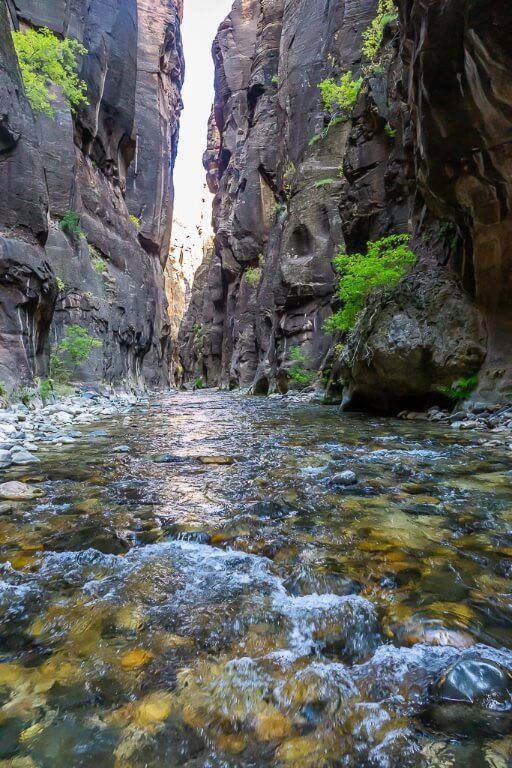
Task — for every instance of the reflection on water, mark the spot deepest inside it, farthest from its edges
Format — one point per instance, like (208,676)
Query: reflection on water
(158,610)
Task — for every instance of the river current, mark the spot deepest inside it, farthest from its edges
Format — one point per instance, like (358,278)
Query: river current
(194,590)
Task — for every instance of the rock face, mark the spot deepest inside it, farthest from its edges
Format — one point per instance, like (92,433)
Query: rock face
(426,151)
(110,160)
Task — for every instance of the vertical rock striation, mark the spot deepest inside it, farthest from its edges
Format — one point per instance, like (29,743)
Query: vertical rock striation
(426,150)
(113,158)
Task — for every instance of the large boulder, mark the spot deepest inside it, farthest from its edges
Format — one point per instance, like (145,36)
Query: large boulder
(408,344)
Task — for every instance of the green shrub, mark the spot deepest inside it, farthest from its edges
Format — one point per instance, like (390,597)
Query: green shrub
(3,391)
(391,132)
(137,223)
(75,348)
(198,384)
(323,183)
(278,209)
(61,285)
(253,275)
(372,36)
(288,177)
(99,264)
(316,138)
(383,265)
(298,373)
(23,395)
(460,389)
(70,223)
(46,389)
(340,97)
(45,60)
(261,259)
(275,80)
(197,334)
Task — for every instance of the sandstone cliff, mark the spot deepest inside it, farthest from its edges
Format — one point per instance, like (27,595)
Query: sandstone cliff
(426,151)
(111,160)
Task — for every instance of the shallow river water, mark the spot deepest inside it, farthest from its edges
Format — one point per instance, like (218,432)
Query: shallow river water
(157,610)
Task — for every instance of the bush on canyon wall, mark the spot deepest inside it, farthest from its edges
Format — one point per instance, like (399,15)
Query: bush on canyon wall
(372,36)
(383,265)
(340,97)
(45,61)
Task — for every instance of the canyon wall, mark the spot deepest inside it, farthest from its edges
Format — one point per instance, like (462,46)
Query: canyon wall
(426,150)
(111,163)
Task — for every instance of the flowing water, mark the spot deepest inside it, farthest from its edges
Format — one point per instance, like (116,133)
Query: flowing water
(159,611)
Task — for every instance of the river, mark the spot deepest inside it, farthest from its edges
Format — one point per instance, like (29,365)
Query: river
(194,590)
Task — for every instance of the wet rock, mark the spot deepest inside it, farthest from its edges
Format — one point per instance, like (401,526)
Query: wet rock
(5,458)
(15,491)
(476,680)
(217,460)
(474,694)
(23,457)
(121,449)
(345,478)
(167,458)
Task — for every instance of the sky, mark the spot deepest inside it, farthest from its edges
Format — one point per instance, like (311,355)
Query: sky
(200,23)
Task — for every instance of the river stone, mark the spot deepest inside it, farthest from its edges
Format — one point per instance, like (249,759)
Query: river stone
(15,491)
(220,460)
(474,695)
(344,478)
(474,680)
(23,457)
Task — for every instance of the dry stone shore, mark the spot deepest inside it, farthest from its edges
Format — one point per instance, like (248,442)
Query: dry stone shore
(24,430)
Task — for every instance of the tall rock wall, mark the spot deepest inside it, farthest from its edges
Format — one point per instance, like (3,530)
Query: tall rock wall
(110,160)
(425,151)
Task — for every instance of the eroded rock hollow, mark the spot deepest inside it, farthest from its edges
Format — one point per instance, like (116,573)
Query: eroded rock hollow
(425,151)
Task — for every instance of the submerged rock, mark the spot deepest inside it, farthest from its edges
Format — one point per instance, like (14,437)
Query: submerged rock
(15,491)
(474,694)
(344,478)
(219,460)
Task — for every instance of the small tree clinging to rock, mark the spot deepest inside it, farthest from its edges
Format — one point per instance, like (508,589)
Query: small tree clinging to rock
(45,60)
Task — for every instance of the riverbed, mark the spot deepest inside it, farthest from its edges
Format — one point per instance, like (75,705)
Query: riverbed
(196,588)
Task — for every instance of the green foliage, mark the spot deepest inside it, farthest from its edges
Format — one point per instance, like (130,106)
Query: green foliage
(275,80)
(298,373)
(46,389)
(198,384)
(460,389)
(137,223)
(61,285)
(372,36)
(75,348)
(253,275)
(45,60)
(23,395)
(316,138)
(288,177)
(197,334)
(99,264)
(261,259)
(70,223)
(3,391)
(322,183)
(383,265)
(340,97)
(279,208)
(391,132)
